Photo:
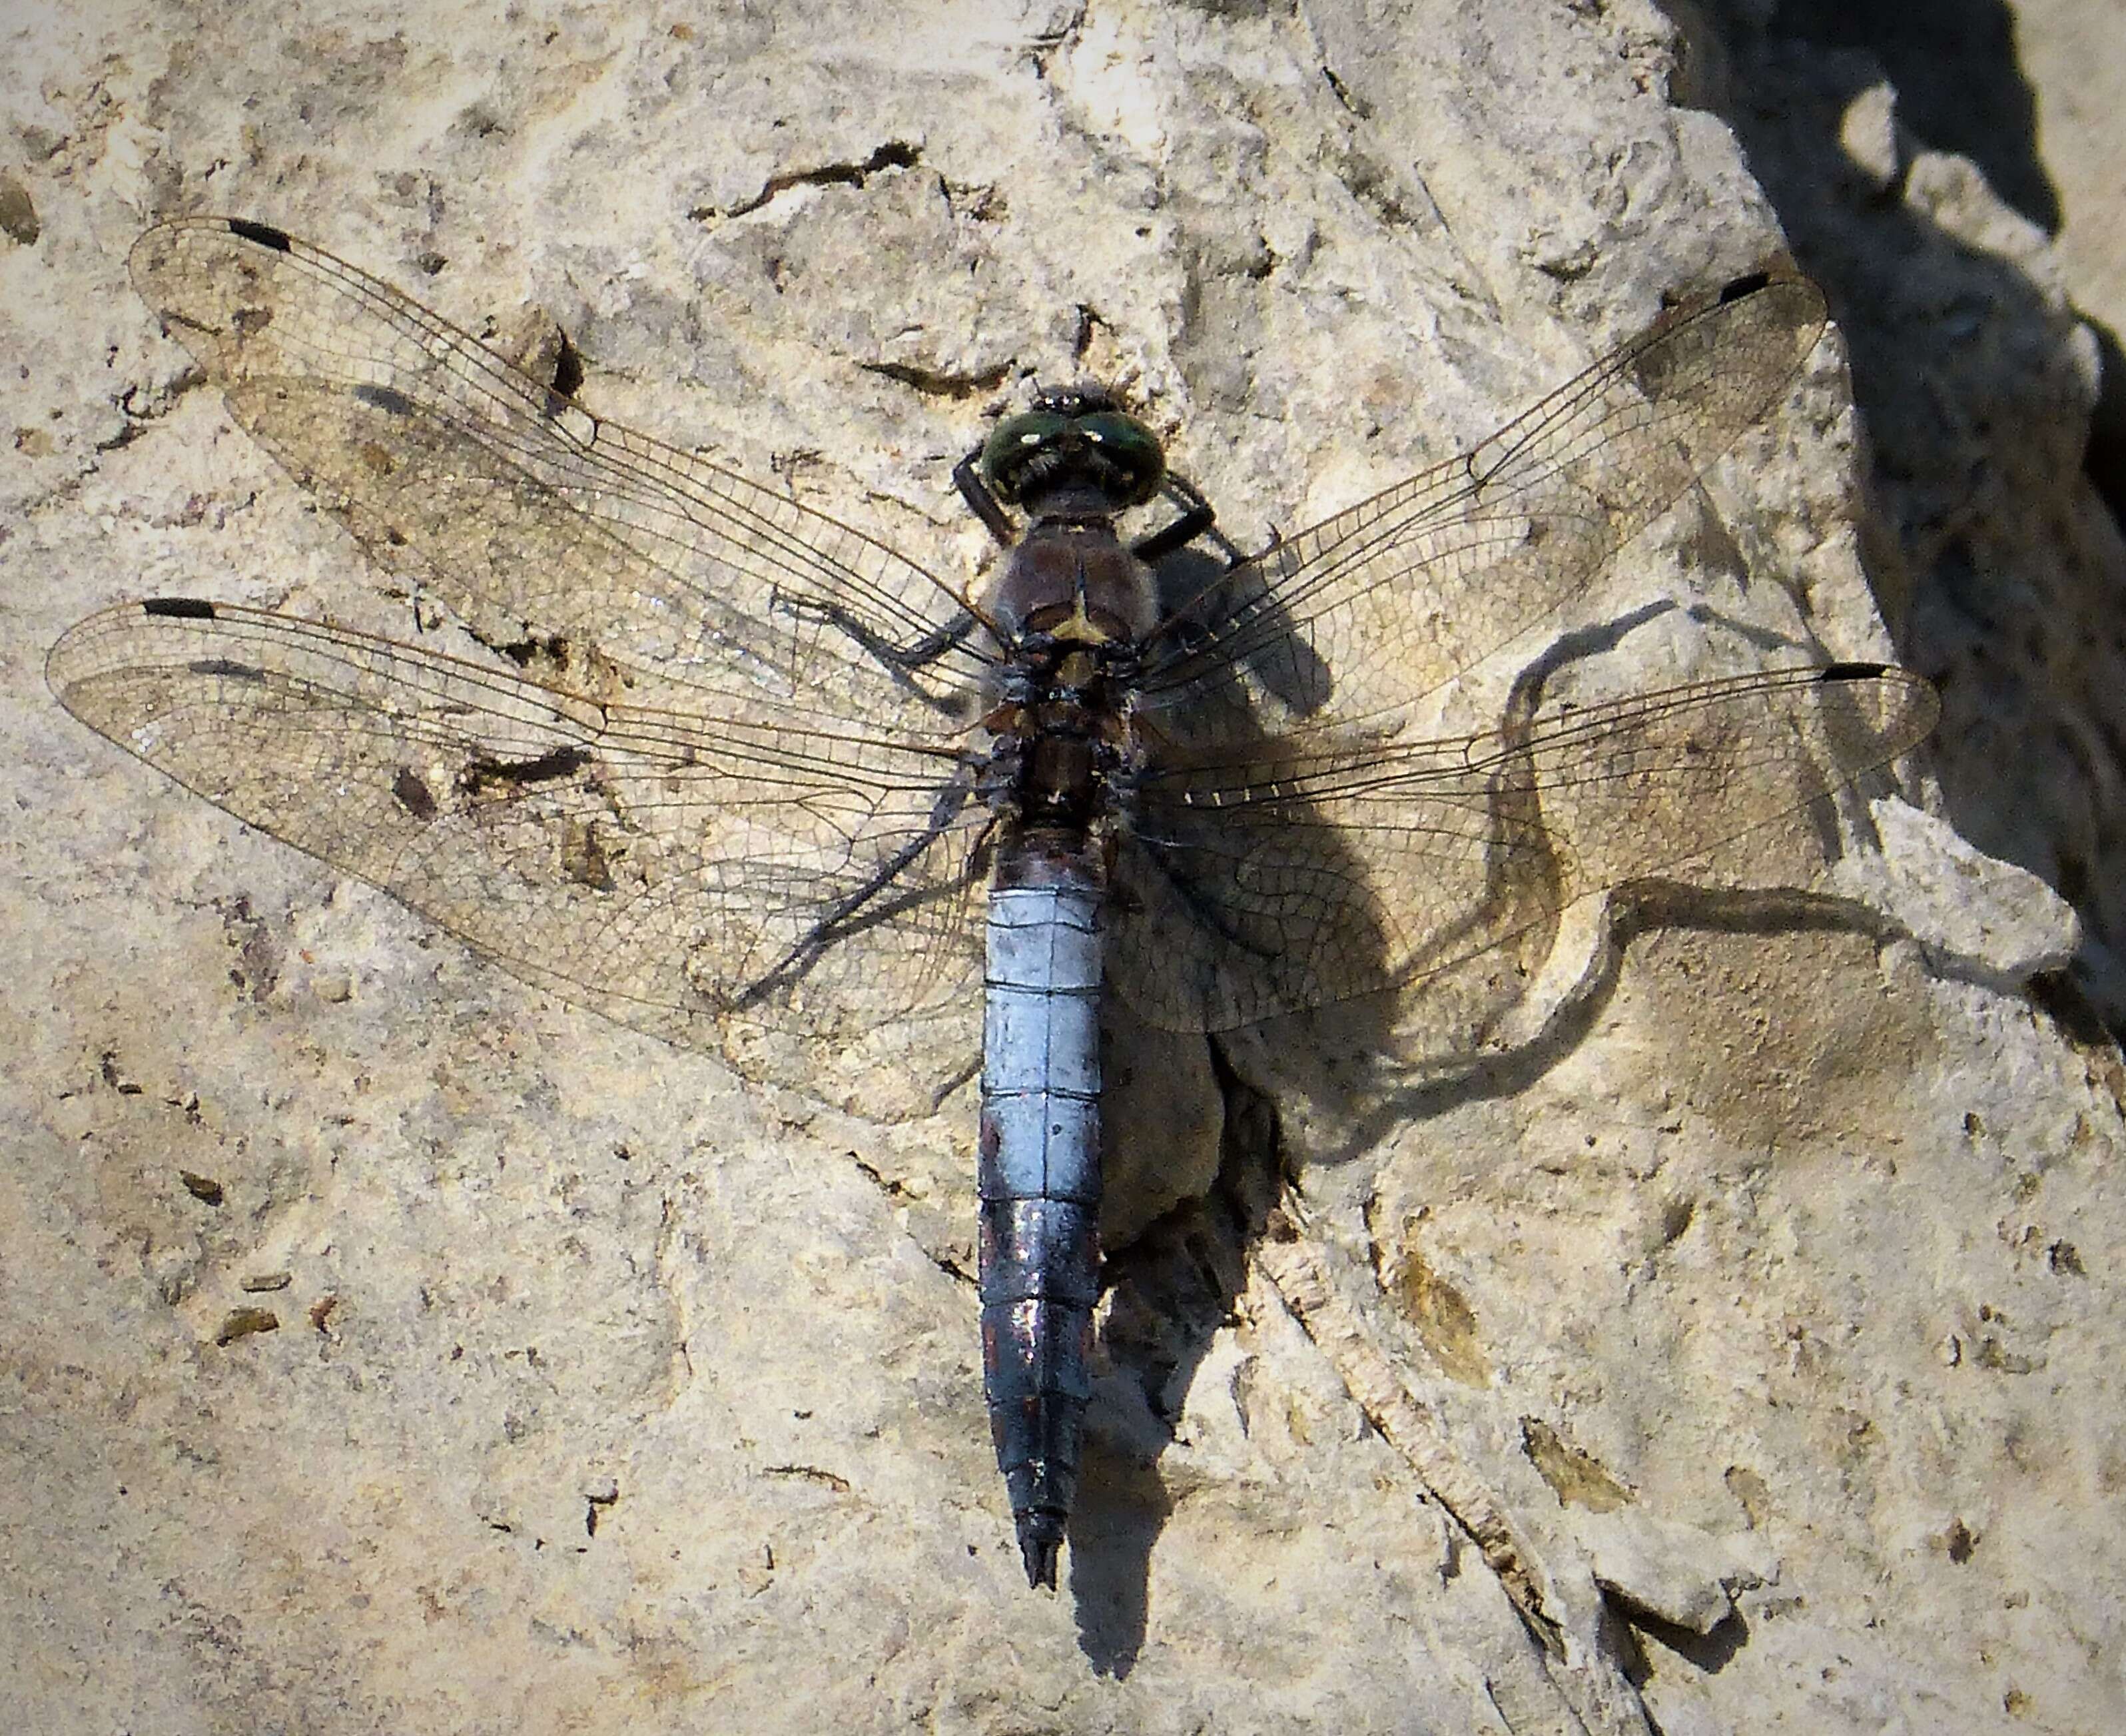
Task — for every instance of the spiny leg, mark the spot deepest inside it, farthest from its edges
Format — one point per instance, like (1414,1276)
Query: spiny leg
(863,908)
(901,661)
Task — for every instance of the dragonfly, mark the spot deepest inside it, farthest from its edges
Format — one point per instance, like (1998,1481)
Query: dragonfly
(727,770)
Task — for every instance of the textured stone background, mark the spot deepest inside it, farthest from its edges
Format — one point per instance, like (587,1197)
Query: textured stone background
(1762,1291)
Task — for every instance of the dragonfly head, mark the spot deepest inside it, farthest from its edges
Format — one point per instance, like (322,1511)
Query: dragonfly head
(1075,451)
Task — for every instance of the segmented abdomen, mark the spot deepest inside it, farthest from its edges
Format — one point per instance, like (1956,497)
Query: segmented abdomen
(1040,1177)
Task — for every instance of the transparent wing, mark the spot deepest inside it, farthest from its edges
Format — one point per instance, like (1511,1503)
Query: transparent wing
(714,774)
(682,872)
(1351,622)
(518,508)
(1289,875)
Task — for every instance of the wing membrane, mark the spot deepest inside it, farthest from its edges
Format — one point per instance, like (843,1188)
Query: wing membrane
(1296,875)
(680,872)
(1367,613)
(515,506)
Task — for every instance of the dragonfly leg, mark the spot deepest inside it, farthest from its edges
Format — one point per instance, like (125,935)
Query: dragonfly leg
(869,905)
(917,653)
(901,661)
(982,502)
(1198,518)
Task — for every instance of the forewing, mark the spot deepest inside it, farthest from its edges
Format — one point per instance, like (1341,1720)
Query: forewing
(518,508)
(1353,621)
(1293,877)
(685,874)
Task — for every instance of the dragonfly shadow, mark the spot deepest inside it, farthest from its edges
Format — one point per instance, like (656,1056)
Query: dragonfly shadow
(1352,1059)
(1494,1003)
(1171,1293)
(1174,1285)
(1368,1103)
(1203,595)
(1173,1289)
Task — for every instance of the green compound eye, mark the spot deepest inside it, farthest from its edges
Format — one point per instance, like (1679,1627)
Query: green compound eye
(1132,446)
(1103,448)
(1012,442)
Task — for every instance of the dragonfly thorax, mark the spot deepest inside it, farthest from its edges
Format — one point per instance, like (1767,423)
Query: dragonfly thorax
(1060,732)
(1075,581)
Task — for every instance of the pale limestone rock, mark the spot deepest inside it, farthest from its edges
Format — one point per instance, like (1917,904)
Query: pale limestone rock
(1753,1303)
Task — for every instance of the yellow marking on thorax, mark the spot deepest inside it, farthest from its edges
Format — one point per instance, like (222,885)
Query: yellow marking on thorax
(1079,627)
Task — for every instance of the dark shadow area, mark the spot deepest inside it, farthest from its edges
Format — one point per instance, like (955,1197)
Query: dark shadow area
(1369,1102)
(1635,1629)
(1177,1285)
(1169,1293)
(1959,85)
(2105,460)
(2060,998)
(1122,1506)
(2000,590)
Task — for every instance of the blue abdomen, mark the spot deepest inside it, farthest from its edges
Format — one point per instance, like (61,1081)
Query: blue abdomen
(1040,1176)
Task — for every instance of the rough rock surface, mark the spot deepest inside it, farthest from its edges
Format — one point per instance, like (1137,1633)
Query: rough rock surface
(1730,1346)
